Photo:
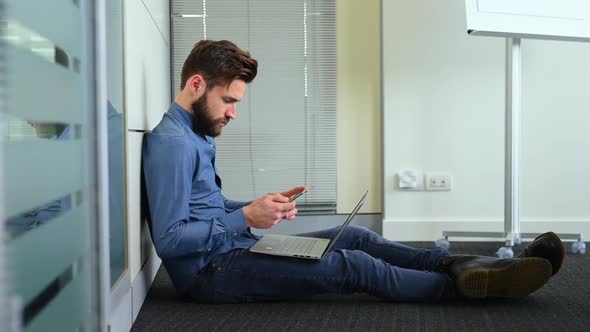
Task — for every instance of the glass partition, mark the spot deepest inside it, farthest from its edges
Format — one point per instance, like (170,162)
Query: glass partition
(45,162)
(117,229)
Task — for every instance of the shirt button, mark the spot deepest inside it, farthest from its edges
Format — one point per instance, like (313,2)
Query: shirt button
(235,234)
(209,249)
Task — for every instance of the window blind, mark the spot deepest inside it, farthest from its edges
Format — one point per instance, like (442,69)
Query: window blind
(285,133)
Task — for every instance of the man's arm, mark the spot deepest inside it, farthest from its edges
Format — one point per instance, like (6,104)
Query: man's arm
(169,164)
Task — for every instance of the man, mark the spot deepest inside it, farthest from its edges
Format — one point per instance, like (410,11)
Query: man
(203,237)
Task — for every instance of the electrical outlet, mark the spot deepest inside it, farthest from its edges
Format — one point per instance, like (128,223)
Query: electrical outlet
(438,182)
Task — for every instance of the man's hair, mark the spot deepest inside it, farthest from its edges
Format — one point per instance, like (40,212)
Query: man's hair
(219,62)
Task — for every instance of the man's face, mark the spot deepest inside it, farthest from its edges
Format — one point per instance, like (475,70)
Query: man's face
(216,107)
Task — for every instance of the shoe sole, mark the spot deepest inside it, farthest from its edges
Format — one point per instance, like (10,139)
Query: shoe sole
(518,279)
(562,247)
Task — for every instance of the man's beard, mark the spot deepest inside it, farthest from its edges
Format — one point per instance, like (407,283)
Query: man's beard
(203,123)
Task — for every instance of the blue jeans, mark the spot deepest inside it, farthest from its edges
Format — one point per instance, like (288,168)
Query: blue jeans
(360,261)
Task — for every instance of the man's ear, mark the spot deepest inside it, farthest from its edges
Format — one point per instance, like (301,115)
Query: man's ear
(197,85)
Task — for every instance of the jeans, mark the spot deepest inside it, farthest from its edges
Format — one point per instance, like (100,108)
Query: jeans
(360,261)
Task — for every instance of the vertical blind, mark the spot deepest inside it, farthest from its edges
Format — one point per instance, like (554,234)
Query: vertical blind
(285,133)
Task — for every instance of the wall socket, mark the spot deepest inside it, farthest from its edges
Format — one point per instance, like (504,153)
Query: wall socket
(438,181)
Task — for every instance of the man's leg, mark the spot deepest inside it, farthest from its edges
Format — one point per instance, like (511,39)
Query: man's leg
(241,276)
(476,276)
(397,254)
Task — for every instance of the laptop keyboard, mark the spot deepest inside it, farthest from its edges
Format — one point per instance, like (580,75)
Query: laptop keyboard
(301,246)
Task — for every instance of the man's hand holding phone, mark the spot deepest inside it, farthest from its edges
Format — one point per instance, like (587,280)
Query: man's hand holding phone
(294,193)
(270,209)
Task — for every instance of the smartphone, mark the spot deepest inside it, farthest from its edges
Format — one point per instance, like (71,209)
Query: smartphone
(294,197)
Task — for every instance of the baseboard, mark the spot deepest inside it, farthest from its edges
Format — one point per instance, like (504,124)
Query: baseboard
(126,310)
(430,230)
(121,315)
(142,283)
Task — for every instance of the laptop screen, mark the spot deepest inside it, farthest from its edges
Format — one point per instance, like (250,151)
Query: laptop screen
(348,220)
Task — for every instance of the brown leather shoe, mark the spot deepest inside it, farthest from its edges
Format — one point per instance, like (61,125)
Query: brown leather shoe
(548,246)
(489,277)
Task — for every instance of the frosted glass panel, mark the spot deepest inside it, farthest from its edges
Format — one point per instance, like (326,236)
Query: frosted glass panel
(46,102)
(65,31)
(68,310)
(43,252)
(46,162)
(40,171)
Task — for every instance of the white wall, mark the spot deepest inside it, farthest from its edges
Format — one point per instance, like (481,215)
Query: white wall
(444,111)
(147,97)
(147,62)
(556,131)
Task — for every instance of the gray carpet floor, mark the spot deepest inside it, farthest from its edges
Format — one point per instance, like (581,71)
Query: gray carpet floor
(561,305)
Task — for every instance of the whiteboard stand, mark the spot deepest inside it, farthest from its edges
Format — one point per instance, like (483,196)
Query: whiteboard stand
(511,234)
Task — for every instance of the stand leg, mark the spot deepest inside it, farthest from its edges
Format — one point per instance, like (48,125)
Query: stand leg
(512,140)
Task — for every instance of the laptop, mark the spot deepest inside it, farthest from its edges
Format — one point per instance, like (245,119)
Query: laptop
(299,246)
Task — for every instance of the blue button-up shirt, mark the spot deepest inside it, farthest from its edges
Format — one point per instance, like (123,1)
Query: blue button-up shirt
(191,221)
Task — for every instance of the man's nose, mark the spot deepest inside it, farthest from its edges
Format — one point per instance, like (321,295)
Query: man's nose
(232,112)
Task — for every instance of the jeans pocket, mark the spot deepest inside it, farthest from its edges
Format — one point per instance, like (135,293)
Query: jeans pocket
(220,262)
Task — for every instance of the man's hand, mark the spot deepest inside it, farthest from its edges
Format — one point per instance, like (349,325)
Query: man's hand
(269,210)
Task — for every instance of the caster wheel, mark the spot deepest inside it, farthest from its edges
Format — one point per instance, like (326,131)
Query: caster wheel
(505,252)
(442,243)
(579,247)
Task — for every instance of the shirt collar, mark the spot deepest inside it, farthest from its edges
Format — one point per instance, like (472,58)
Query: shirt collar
(179,113)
